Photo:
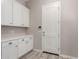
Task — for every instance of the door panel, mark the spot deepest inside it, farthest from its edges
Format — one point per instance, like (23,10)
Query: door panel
(21,46)
(4,52)
(50,23)
(9,50)
(6,12)
(25,15)
(2,12)
(25,45)
(17,13)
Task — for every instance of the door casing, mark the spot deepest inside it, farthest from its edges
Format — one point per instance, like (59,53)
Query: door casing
(58,23)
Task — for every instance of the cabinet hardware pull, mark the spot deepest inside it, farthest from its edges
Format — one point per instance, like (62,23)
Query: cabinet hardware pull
(10,43)
(16,46)
(22,39)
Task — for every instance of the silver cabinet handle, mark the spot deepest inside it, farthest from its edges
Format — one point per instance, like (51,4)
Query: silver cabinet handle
(22,39)
(16,45)
(10,43)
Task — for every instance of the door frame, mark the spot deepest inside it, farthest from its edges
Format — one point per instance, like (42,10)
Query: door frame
(59,37)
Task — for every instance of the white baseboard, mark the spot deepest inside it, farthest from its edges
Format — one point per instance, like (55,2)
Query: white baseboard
(66,56)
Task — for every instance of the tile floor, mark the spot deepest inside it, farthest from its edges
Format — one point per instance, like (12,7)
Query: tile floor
(40,55)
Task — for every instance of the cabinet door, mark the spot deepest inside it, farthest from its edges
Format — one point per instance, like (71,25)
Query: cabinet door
(17,13)
(6,12)
(25,45)
(29,43)
(26,16)
(9,51)
(2,12)
(4,51)
(12,49)
(21,47)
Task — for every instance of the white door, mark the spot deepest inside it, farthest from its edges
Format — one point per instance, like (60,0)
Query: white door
(22,47)
(50,20)
(12,50)
(2,12)
(9,50)
(4,51)
(17,13)
(6,12)
(29,43)
(26,16)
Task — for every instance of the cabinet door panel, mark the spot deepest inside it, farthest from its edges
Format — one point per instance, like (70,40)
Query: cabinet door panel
(21,47)
(26,16)
(9,50)
(12,52)
(2,12)
(4,52)
(12,49)
(17,14)
(25,45)
(6,12)
(29,44)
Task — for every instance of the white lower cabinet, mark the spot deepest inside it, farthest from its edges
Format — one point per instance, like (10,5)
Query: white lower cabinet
(16,48)
(24,45)
(9,50)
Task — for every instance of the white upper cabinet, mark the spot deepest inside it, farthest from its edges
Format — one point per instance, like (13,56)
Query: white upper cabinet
(17,14)
(6,12)
(25,15)
(14,14)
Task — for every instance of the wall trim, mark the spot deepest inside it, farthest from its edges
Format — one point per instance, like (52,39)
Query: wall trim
(67,56)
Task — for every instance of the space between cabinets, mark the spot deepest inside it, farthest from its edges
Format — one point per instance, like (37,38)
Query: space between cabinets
(14,14)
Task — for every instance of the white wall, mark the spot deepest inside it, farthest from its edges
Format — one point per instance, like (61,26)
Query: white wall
(68,25)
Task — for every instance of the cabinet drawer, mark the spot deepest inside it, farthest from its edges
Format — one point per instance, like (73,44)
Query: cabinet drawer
(9,50)
(8,43)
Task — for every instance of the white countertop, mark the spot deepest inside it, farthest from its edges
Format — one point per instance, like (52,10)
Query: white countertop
(14,38)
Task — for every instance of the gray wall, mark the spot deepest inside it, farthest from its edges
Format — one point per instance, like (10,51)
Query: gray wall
(11,32)
(69,39)
(68,25)
(36,20)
